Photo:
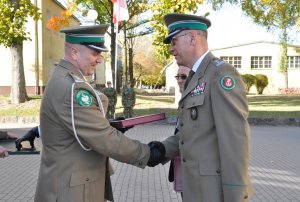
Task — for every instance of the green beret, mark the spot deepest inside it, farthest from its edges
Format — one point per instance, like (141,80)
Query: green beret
(177,22)
(90,36)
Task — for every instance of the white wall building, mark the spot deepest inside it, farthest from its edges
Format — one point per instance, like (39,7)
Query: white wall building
(263,58)
(254,58)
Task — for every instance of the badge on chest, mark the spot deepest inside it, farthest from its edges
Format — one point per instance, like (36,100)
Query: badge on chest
(194,113)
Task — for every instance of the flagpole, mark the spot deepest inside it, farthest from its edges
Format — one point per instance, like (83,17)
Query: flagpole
(116,43)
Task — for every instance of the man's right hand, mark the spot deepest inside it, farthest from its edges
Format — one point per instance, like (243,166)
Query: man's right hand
(157,153)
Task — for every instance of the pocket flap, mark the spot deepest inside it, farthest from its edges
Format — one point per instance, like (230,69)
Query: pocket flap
(84,177)
(195,101)
(209,168)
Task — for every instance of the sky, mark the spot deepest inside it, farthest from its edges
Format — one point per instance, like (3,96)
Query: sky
(230,27)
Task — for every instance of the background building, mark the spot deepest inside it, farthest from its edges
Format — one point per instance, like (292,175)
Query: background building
(259,57)
(263,58)
(40,54)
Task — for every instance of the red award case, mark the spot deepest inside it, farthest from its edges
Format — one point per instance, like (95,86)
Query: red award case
(137,120)
(178,181)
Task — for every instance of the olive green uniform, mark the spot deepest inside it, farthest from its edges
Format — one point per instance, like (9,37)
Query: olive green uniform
(214,135)
(128,101)
(111,94)
(69,173)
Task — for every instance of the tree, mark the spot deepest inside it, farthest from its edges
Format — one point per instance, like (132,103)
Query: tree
(275,15)
(147,66)
(105,15)
(14,15)
(163,7)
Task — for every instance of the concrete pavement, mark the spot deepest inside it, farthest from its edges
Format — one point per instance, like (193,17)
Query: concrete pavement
(274,169)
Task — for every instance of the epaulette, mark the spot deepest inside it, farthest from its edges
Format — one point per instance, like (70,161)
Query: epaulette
(217,62)
(76,78)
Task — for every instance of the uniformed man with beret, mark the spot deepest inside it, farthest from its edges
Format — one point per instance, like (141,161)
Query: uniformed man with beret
(77,138)
(111,94)
(214,135)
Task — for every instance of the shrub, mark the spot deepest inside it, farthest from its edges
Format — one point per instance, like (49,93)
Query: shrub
(261,81)
(249,80)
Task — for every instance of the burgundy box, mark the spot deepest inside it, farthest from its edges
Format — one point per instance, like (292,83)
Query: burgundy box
(178,181)
(137,120)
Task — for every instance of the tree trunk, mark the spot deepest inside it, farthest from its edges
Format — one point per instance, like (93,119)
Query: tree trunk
(131,67)
(18,86)
(283,59)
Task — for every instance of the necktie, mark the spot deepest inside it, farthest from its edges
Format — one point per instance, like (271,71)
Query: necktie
(191,74)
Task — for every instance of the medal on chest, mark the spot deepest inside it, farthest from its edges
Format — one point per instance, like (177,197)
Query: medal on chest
(194,113)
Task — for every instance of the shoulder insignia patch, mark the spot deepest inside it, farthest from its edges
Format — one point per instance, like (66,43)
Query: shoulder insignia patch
(217,62)
(227,82)
(84,98)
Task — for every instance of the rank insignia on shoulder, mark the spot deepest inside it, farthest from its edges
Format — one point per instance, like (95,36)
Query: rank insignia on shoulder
(217,62)
(227,82)
(84,98)
(198,90)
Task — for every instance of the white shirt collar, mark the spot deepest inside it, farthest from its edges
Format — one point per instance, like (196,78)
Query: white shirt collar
(198,62)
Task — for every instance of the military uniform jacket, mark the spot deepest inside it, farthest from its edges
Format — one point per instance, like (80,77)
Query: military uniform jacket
(128,97)
(213,136)
(68,173)
(111,95)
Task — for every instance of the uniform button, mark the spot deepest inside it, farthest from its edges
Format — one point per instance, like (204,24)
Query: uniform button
(183,160)
(140,163)
(245,197)
(182,142)
(181,124)
(218,171)
(182,106)
(87,179)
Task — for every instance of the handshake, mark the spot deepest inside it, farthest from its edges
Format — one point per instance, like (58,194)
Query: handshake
(157,153)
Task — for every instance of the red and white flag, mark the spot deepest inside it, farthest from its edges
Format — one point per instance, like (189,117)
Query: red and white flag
(120,11)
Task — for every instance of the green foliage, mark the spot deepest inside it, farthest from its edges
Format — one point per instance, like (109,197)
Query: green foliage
(162,7)
(261,81)
(249,80)
(13,18)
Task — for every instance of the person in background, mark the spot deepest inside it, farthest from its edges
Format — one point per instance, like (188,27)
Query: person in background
(128,100)
(213,132)
(111,94)
(182,74)
(77,138)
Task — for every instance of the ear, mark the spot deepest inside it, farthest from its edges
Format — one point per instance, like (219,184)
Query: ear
(74,53)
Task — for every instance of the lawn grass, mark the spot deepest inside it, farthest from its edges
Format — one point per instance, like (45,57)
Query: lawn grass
(261,106)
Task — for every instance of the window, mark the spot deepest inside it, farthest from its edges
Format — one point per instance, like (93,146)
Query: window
(261,62)
(235,61)
(293,62)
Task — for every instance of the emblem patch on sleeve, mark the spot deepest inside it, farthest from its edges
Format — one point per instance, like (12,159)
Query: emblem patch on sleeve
(227,82)
(84,98)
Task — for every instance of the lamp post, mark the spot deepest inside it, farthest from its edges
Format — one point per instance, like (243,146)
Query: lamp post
(92,15)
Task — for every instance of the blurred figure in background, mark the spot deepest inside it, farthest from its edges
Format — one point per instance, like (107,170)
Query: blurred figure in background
(111,94)
(128,100)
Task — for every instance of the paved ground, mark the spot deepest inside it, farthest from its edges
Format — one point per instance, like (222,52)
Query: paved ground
(275,169)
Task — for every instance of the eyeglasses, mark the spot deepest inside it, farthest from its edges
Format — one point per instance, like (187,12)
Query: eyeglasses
(174,39)
(182,76)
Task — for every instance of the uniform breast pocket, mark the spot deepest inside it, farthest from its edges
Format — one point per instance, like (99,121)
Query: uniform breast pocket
(85,184)
(193,107)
